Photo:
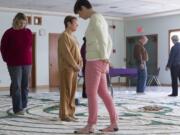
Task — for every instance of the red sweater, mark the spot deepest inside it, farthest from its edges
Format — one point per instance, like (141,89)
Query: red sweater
(16,47)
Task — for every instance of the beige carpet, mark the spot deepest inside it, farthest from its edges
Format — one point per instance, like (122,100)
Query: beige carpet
(151,114)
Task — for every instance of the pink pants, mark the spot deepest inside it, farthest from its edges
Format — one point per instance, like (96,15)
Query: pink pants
(96,84)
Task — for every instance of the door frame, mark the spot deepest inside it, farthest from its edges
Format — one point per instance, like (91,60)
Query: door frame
(149,54)
(50,58)
(156,53)
(169,38)
(33,72)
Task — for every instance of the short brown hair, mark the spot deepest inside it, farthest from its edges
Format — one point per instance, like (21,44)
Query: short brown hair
(69,19)
(79,3)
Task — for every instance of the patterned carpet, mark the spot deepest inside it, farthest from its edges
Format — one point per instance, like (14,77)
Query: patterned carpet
(151,114)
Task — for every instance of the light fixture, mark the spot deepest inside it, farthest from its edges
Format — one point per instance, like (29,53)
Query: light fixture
(42,32)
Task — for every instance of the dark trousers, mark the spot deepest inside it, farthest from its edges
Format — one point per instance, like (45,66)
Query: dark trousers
(84,85)
(19,86)
(175,75)
(141,80)
(84,90)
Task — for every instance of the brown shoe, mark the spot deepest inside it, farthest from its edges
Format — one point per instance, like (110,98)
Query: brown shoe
(73,117)
(67,119)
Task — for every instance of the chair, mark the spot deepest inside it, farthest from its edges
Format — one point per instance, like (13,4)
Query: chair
(154,78)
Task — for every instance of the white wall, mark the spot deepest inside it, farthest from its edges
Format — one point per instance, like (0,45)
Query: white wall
(5,23)
(117,36)
(160,26)
(54,24)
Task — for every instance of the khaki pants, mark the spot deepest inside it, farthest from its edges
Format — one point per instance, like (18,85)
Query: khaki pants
(68,86)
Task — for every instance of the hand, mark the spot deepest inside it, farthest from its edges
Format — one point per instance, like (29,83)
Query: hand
(111,65)
(141,66)
(167,68)
(77,69)
(106,61)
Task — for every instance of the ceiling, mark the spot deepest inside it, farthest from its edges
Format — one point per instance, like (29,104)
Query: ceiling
(113,8)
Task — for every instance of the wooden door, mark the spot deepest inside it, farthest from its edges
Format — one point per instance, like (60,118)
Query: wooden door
(53,60)
(151,48)
(32,83)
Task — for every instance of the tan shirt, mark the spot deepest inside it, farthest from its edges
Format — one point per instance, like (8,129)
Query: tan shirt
(140,53)
(68,52)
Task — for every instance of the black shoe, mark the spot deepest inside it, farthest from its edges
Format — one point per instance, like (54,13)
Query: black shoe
(140,93)
(19,112)
(172,95)
(77,102)
(84,96)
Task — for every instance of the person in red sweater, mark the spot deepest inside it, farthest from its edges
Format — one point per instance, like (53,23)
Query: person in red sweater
(16,50)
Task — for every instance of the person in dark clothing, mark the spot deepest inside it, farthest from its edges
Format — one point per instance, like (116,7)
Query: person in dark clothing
(16,50)
(174,64)
(83,55)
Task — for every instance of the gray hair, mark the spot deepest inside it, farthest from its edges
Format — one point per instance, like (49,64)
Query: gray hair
(175,38)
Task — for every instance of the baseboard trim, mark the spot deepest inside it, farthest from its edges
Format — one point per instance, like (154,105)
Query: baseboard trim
(47,88)
(4,88)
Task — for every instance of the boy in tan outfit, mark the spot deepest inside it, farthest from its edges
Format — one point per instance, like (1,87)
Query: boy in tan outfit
(70,62)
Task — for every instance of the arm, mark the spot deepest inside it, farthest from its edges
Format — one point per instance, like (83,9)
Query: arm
(4,45)
(110,44)
(30,40)
(137,54)
(171,58)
